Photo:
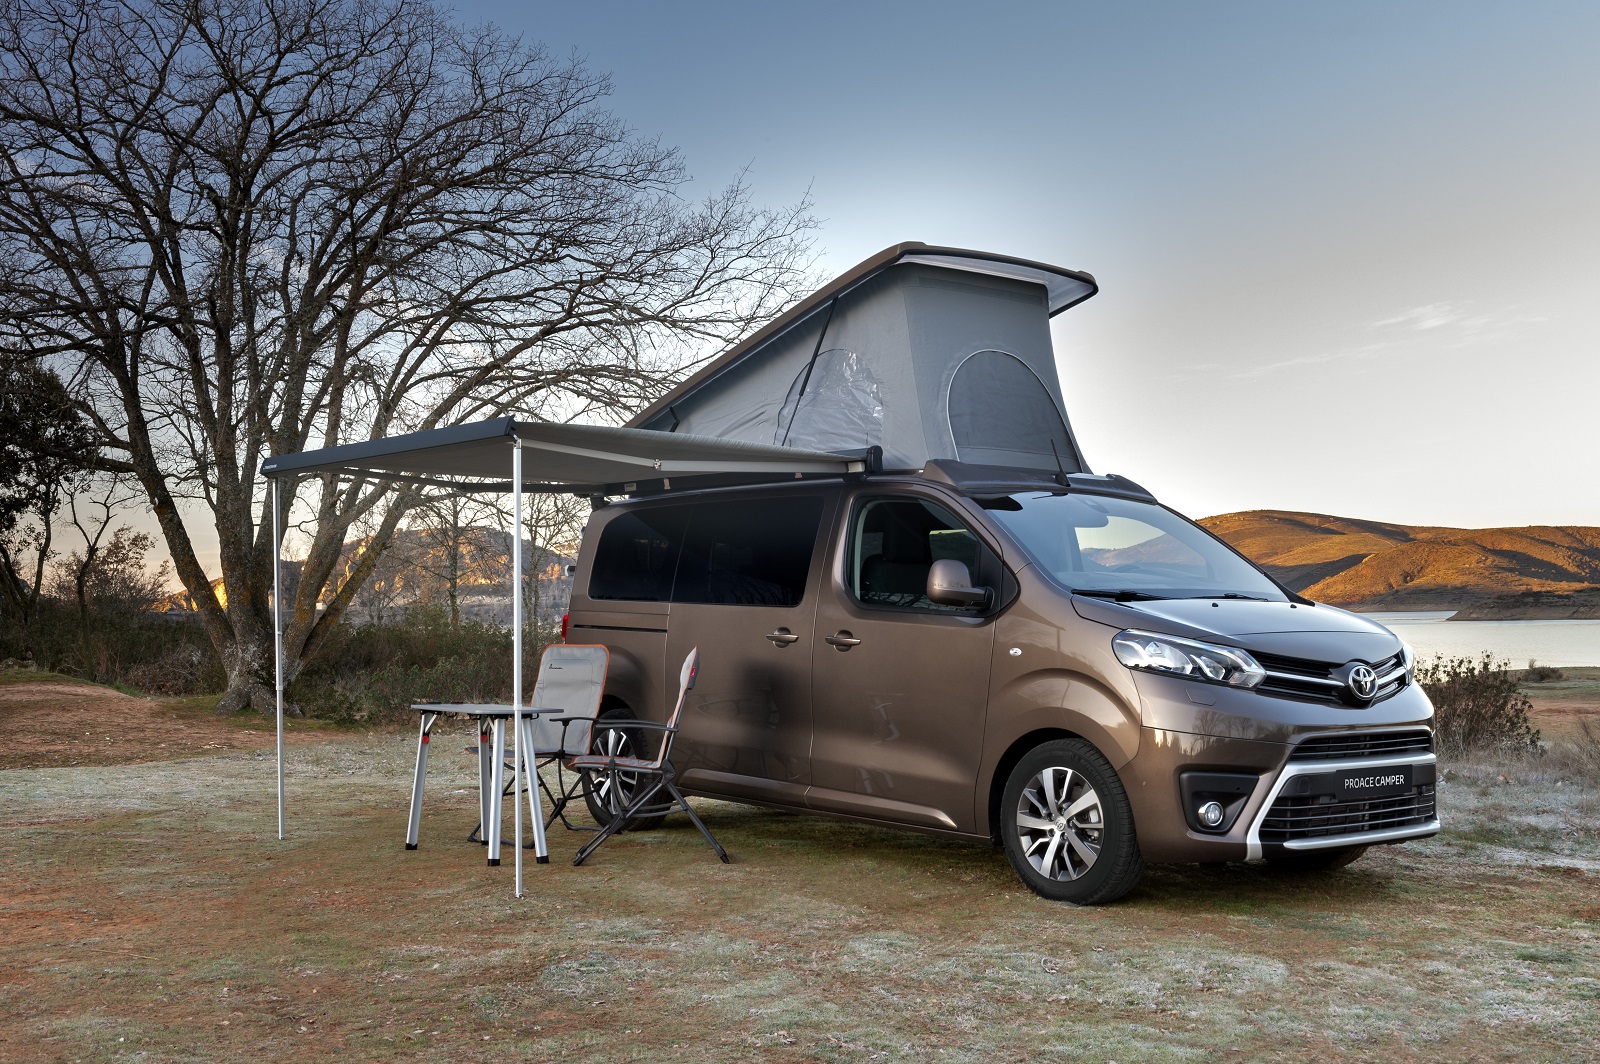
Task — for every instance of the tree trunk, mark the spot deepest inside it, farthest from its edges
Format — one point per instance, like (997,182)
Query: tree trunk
(252,682)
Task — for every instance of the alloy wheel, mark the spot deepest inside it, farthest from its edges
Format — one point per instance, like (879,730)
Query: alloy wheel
(614,788)
(1060,823)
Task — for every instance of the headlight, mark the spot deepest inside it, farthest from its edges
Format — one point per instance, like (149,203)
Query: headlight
(1408,656)
(1187,657)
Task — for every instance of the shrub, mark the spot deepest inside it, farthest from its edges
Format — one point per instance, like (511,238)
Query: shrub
(1541,673)
(1478,705)
(156,654)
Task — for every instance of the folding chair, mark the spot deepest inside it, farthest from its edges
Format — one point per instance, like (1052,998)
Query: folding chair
(649,776)
(566,696)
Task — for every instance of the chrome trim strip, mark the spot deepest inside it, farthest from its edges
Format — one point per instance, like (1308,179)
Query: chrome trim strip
(1364,838)
(1390,677)
(1304,679)
(1292,769)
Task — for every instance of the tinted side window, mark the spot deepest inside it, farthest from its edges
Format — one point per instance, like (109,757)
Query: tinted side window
(893,544)
(752,552)
(638,554)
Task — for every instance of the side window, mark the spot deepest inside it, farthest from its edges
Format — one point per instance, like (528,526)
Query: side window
(750,552)
(893,544)
(638,554)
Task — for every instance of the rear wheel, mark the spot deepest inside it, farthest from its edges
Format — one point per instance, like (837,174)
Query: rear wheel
(607,793)
(1315,860)
(1067,827)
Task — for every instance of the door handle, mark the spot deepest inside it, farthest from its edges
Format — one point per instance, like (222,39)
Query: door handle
(783,637)
(842,639)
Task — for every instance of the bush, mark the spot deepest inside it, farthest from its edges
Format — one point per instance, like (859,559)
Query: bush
(1478,705)
(364,674)
(150,652)
(1541,673)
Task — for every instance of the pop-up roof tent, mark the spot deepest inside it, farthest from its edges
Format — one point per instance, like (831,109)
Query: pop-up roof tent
(919,353)
(925,352)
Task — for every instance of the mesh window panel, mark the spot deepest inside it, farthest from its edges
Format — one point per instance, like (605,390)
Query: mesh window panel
(1002,414)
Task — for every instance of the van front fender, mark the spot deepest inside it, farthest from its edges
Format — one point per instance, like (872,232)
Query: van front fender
(1046,704)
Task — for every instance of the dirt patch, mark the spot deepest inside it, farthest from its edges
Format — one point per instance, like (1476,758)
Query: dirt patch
(1561,718)
(58,722)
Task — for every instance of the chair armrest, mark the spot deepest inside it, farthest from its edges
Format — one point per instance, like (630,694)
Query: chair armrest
(615,724)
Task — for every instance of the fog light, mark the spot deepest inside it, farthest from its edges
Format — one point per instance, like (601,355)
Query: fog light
(1210,814)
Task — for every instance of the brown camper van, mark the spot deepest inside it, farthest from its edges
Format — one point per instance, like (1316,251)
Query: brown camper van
(968,633)
(1059,664)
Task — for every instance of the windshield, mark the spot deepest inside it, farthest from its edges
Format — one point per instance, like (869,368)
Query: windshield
(1102,545)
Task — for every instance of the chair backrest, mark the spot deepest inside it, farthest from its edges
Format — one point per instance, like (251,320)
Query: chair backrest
(572,678)
(686,678)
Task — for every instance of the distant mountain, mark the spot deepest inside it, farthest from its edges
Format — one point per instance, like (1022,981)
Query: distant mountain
(1540,570)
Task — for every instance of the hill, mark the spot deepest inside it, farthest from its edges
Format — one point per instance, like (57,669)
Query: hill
(1537,571)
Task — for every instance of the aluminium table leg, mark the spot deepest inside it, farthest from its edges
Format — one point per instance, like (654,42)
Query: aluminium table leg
(530,773)
(414,824)
(485,777)
(491,827)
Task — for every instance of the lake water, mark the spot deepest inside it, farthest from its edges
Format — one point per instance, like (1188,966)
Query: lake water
(1558,643)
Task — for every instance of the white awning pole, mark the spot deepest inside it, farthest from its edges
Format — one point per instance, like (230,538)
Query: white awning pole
(277,637)
(516,648)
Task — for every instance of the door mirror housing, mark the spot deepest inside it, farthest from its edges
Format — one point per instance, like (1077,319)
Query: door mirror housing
(950,584)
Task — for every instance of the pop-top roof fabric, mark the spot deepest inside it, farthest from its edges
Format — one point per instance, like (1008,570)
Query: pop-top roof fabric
(923,361)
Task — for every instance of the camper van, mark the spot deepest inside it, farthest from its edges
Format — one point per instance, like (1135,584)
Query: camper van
(974,635)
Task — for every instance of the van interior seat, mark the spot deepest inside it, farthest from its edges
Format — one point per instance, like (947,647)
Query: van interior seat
(898,573)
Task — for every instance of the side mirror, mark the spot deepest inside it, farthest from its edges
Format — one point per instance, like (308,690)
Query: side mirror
(950,584)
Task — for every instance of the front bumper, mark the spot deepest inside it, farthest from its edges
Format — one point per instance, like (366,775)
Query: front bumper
(1292,805)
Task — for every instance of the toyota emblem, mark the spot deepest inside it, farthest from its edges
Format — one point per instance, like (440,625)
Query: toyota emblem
(1363,682)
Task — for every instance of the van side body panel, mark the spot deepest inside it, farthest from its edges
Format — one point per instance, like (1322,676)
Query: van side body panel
(747,724)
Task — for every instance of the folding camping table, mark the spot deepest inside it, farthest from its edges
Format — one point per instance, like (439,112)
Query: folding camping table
(492,719)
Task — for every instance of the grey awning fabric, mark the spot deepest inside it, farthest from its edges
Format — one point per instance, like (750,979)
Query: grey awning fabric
(580,458)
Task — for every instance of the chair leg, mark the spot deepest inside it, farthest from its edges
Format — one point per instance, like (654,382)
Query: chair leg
(560,798)
(618,822)
(683,804)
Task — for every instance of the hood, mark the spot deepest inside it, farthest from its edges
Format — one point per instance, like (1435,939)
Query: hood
(1314,632)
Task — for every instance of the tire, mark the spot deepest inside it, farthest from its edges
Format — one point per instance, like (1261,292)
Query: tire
(1314,860)
(1089,858)
(604,792)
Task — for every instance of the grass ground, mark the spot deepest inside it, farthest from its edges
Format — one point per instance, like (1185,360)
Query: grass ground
(147,912)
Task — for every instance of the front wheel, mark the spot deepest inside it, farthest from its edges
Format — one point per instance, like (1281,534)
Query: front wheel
(1067,827)
(608,793)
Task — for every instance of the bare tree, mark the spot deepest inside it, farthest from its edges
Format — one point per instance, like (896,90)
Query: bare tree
(109,574)
(459,546)
(248,227)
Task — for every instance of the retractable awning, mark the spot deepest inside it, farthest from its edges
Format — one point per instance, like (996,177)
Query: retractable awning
(507,455)
(586,459)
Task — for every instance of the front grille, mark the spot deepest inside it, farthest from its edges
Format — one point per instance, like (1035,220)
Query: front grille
(1308,816)
(1339,746)
(1314,681)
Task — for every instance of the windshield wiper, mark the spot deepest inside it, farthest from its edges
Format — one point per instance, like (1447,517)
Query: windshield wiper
(1121,595)
(1231,595)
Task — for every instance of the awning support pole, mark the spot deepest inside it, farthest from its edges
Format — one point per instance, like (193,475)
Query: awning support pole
(516,648)
(277,635)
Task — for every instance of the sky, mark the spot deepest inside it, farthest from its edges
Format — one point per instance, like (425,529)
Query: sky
(1349,255)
